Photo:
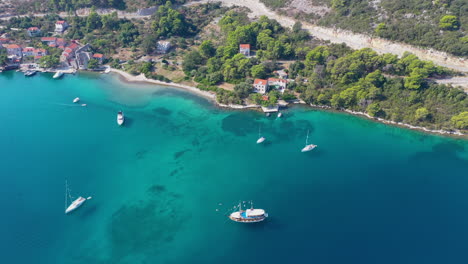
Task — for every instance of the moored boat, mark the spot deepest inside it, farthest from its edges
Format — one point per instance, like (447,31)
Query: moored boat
(29,73)
(76,100)
(248,216)
(280,114)
(308,147)
(75,204)
(58,74)
(120,118)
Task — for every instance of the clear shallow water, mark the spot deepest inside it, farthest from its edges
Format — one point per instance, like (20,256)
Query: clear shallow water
(370,193)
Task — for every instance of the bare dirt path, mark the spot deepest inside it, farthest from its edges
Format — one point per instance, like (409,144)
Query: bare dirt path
(356,41)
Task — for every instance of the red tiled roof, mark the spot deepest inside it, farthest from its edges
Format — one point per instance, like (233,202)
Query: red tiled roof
(33,28)
(52,45)
(4,40)
(40,50)
(38,57)
(60,22)
(260,81)
(244,46)
(48,39)
(265,98)
(61,47)
(28,49)
(98,55)
(73,46)
(12,46)
(68,50)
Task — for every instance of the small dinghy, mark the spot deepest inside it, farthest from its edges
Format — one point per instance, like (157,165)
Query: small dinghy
(280,115)
(76,100)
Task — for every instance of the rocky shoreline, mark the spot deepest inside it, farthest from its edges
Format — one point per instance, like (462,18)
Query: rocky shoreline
(212,97)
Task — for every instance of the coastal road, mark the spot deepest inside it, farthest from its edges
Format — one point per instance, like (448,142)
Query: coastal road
(355,41)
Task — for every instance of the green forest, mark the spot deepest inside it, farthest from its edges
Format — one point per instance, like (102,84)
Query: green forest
(438,24)
(333,75)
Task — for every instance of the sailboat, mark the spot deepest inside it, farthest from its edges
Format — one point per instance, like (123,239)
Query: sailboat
(248,216)
(76,203)
(120,118)
(308,147)
(260,138)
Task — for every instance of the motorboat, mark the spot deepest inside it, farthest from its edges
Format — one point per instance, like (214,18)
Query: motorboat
(76,100)
(58,74)
(29,73)
(120,118)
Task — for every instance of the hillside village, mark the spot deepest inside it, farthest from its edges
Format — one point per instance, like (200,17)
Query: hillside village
(74,55)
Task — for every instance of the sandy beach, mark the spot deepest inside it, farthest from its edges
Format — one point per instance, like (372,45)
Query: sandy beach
(141,78)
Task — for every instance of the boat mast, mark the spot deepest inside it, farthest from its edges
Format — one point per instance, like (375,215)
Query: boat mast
(307,138)
(66,188)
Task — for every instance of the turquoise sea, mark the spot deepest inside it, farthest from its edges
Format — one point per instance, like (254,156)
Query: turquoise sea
(163,184)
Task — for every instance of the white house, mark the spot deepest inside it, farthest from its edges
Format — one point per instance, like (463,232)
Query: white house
(163,46)
(13,50)
(28,51)
(244,49)
(61,26)
(260,86)
(279,84)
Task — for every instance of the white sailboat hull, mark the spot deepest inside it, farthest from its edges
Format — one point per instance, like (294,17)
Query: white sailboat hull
(260,140)
(76,100)
(77,203)
(308,148)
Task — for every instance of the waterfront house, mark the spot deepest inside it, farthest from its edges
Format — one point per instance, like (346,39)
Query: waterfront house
(28,51)
(244,49)
(260,86)
(163,47)
(4,40)
(99,57)
(61,26)
(34,31)
(279,84)
(13,50)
